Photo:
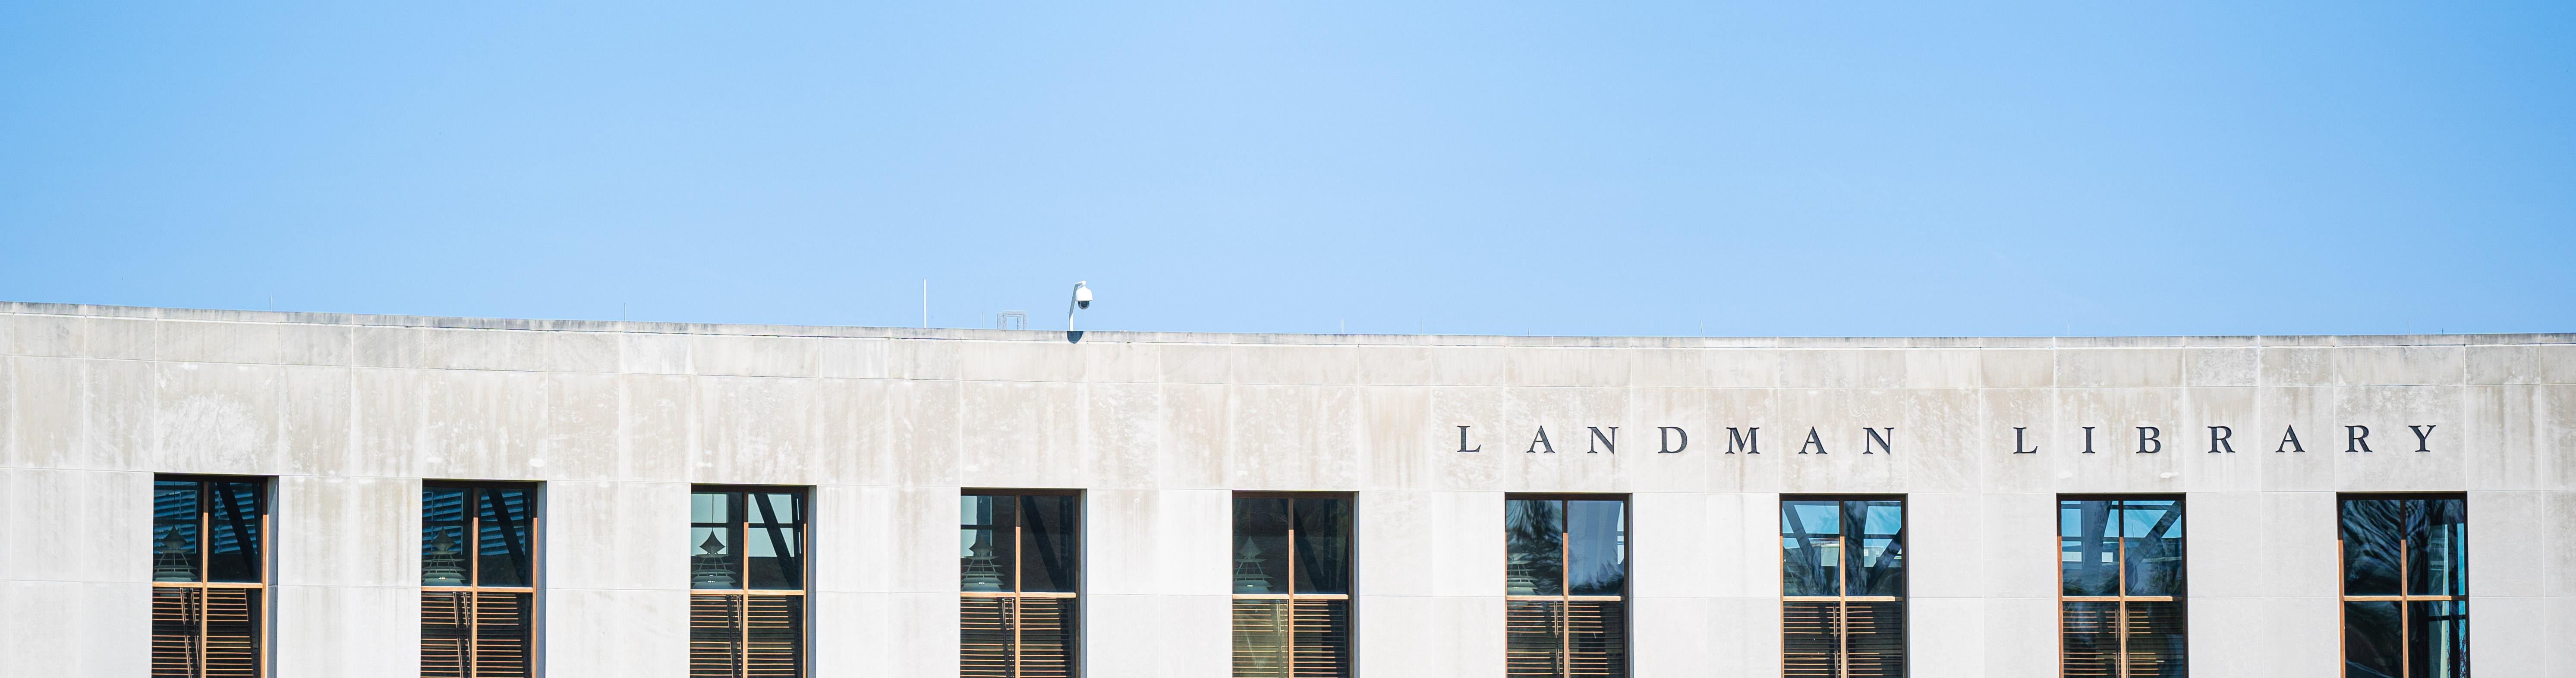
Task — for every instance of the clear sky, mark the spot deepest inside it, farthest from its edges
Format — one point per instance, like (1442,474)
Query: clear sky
(1592,168)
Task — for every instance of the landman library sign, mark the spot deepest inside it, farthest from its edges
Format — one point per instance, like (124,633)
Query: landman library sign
(1748,440)
(230,493)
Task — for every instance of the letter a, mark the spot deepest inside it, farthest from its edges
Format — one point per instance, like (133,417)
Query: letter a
(2290,441)
(1541,441)
(1812,441)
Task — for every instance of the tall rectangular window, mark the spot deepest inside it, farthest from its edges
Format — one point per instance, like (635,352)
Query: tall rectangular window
(209,576)
(478,580)
(1565,586)
(1292,586)
(747,570)
(2120,587)
(2405,586)
(1019,574)
(1842,587)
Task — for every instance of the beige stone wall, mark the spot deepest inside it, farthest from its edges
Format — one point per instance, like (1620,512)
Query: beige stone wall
(351,412)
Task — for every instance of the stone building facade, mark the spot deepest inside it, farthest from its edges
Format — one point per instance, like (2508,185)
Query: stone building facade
(345,419)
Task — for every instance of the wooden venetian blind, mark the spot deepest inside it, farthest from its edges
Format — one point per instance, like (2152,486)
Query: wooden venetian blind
(1283,638)
(1834,639)
(475,634)
(1007,637)
(210,632)
(1565,638)
(2154,635)
(745,636)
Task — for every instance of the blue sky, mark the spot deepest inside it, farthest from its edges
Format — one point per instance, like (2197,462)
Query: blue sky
(1775,168)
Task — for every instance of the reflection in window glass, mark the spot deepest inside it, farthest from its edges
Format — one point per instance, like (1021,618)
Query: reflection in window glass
(2405,586)
(1811,540)
(1534,539)
(1596,548)
(1323,545)
(235,509)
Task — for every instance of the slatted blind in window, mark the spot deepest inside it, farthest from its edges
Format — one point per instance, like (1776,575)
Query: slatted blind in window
(475,634)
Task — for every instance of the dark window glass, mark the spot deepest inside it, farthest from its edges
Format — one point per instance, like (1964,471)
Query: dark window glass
(1534,534)
(1323,545)
(774,526)
(443,542)
(988,545)
(713,563)
(2372,532)
(2373,647)
(505,525)
(238,507)
(1029,543)
(2438,638)
(1876,557)
(2437,555)
(1597,563)
(1811,548)
(2152,530)
(1053,529)
(174,530)
(2089,548)
(1261,545)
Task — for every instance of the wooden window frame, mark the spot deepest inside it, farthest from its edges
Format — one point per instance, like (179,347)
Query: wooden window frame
(264,624)
(1565,582)
(2405,630)
(2120,580)
(1019,557)
(473,550)
(739,518)
(1842,581)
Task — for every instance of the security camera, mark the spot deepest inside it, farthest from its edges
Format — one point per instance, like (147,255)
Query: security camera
(1081,300)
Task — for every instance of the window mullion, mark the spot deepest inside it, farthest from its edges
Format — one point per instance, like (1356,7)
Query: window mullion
(205,571)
